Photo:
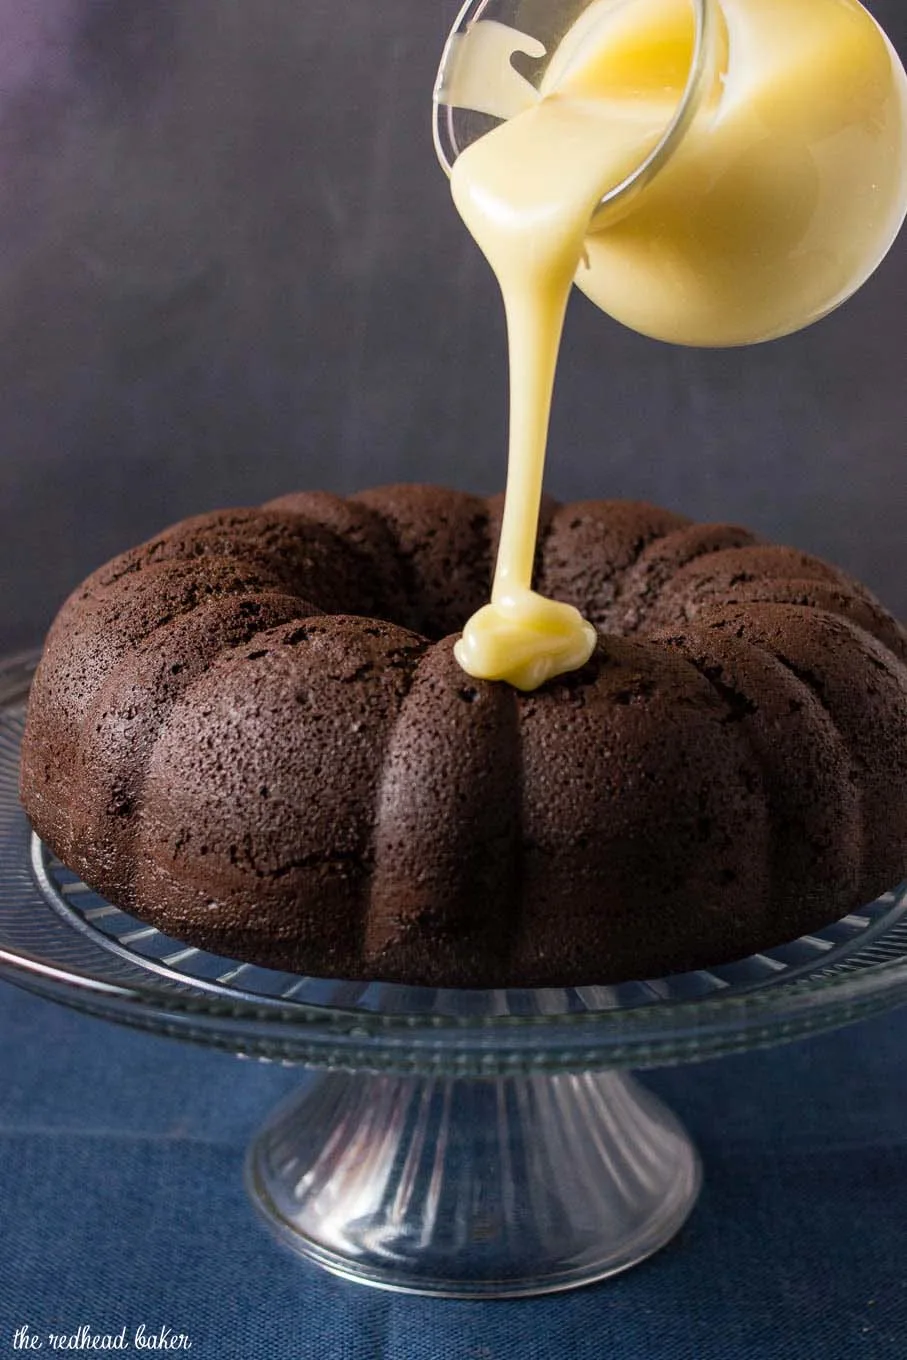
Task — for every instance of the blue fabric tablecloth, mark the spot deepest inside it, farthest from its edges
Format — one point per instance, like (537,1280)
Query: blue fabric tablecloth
(122,1206)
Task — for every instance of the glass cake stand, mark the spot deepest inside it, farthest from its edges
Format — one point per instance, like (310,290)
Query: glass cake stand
(458,1143)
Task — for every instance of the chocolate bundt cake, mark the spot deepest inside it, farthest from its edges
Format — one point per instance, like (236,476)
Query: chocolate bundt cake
(251,732)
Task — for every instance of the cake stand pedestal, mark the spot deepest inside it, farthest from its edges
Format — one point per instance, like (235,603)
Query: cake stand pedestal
(470,1186)
(457,1143)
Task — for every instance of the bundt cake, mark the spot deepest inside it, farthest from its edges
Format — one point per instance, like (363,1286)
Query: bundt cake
(251,732)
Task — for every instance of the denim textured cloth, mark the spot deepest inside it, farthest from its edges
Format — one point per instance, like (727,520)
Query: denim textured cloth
(122,1205)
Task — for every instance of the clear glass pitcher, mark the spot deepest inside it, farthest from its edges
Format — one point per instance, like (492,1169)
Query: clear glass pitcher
(778,179)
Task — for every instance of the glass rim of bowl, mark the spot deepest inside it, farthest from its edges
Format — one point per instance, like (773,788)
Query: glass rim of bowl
(621,196)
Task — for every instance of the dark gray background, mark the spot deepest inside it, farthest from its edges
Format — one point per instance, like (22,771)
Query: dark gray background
(230,267)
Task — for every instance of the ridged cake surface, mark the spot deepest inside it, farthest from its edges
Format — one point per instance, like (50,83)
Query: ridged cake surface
(251,731)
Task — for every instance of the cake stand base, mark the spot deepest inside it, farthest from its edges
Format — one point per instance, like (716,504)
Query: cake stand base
(473,1187)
